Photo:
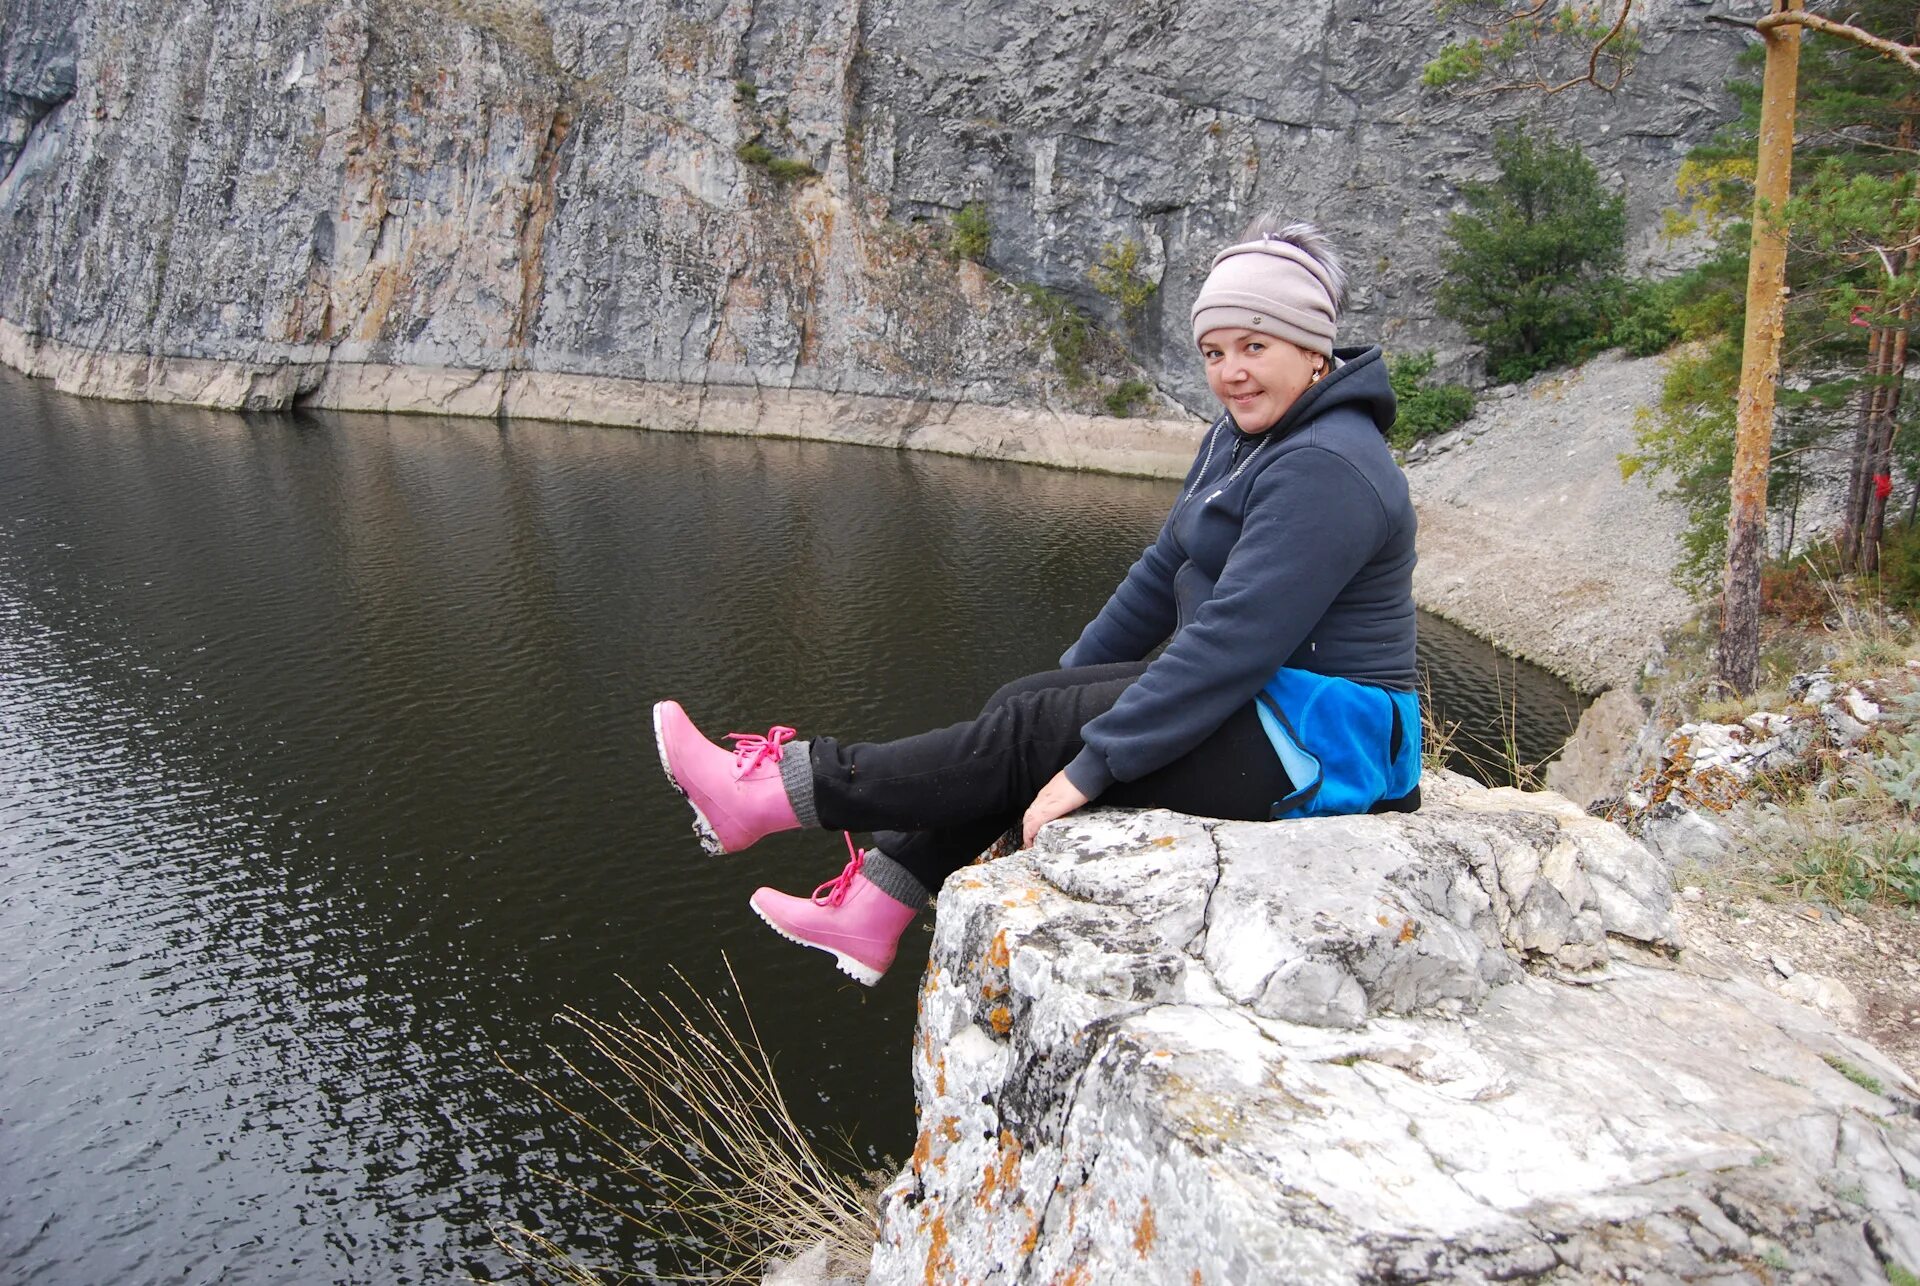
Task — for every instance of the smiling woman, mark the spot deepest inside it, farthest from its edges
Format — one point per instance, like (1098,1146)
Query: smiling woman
(1280,585)
(1257,377)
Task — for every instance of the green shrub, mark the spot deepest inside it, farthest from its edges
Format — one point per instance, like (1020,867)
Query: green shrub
(1067,331)
(1423,411)
(746,91)
(968,234)
(1900,566)
(788,168)
(1532,270)
(1128,395)
(1898,772)
(1116,274)
(1861,864)
(782,168)
(1644,323)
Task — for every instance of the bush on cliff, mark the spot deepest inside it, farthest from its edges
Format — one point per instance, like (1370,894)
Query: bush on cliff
(784,169)
(969,235)
(1117,274)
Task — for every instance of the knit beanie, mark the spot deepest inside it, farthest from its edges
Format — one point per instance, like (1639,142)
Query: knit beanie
(1272,287)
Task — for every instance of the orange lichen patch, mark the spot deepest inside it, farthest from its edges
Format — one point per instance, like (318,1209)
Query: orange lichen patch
(1163,841)
(922,1149)
(940,1079)
(1198,1280)
(1078,1275)
(1143,1231)
(1000,1018)
(939,1262)
(1009,1161)
(1032,1239)
(991,991)
(1383,921)
(950,1128)
(997,953)
(1409,931)
(1021,898)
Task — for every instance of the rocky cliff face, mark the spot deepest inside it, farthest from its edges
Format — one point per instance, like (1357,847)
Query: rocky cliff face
(313,194)
(1457,1045)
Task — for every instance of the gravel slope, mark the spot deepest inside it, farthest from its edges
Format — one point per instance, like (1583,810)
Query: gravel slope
(1530,538)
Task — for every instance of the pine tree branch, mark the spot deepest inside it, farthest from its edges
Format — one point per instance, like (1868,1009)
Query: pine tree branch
(1907,56)
(1548,88)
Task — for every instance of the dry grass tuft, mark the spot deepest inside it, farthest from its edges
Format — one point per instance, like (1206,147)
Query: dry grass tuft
(695,1114)
(1443,743)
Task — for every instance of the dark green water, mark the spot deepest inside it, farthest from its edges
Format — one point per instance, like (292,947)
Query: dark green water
(326,779)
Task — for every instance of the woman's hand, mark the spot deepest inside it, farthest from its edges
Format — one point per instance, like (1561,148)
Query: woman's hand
(1056,799)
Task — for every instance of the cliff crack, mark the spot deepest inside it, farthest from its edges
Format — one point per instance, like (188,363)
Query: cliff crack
(539,211)
(1196,946)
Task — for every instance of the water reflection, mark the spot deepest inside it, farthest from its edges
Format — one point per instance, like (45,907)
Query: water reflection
(325,774)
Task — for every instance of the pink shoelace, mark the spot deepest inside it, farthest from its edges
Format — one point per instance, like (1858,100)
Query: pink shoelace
(750,749)
(834,891)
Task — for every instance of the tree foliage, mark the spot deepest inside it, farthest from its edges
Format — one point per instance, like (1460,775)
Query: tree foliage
(1853,222)
(1540,45)
(1533,270)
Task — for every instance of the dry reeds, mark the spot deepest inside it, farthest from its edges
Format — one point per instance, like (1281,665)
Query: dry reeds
(1445,742)
(695,1114)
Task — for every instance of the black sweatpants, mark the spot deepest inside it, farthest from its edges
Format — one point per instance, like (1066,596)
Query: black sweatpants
(935,801)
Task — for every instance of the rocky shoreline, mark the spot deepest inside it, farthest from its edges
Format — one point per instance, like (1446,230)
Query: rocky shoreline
(1144,447)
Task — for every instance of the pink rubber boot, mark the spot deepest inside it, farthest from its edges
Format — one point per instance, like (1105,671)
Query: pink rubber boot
(737,795)
(849,916)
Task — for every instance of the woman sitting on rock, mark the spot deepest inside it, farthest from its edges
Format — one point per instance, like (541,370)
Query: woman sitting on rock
(1281,584)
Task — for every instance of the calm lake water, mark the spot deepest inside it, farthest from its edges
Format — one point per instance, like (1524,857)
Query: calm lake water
(326,780)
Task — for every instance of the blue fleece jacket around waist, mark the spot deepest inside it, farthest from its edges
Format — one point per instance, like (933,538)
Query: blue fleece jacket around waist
(1292,549)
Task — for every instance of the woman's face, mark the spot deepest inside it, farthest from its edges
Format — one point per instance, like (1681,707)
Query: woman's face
(1256,376)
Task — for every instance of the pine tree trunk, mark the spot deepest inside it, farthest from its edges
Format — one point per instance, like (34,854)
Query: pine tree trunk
(1739,649)
(1885,428)
(1853,519)
(1886,369)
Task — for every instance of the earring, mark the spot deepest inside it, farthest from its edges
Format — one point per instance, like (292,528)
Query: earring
(1319,373)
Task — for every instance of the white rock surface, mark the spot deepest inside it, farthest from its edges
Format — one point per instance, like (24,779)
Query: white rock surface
(1829,995)
(1155,1049)
(1683,835)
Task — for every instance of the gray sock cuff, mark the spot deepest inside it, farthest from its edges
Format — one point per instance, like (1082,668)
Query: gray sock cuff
(796,774)
(895,880)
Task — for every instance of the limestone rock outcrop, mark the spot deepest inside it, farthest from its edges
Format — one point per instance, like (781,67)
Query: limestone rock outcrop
(431,204)
(1458,1045)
